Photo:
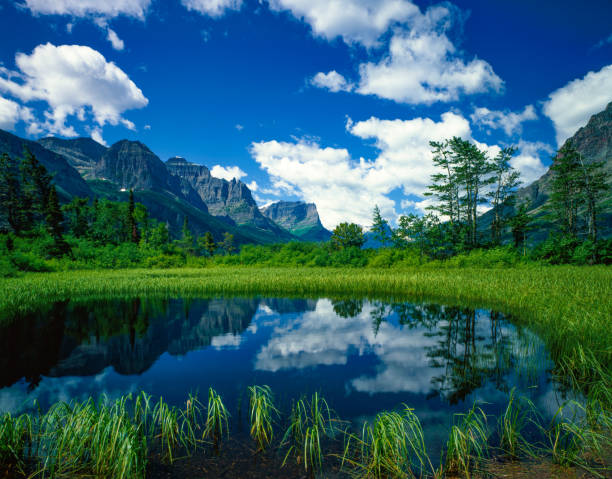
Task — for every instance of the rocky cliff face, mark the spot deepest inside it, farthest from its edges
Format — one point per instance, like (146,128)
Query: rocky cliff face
(68,180)
(231,200)
(301,219)
(593,141)
(81,153)
(132,165)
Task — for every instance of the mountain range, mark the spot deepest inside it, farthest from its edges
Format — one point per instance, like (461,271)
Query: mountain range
(170,190)
(177,188)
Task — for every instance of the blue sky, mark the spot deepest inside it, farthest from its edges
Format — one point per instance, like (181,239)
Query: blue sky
(329,101)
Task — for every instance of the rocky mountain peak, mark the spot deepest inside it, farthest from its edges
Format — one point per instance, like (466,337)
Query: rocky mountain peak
(301,219)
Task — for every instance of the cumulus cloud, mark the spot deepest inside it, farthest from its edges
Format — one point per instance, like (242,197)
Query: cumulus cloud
(332,81)
(85,8)
(73,80)
(213,8)
(99,11)
(423,67)
(12,112)
(116,42)
(529,162)
(509,121)
(227,173)
(96,135)
(355,21)
(571,106)
(345,189)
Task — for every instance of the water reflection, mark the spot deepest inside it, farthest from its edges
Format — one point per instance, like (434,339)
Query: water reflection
(362,355)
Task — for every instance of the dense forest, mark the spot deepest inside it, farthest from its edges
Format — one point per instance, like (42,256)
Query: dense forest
(39,234)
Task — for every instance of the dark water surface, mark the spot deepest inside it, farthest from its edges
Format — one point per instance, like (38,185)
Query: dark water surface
(363,356)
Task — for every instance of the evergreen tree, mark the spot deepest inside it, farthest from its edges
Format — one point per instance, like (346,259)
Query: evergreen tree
(227,244)
(520,225)
(594,188)
(54,220)
(347,235)
(10,204)
(567,185)
(445,187)
(505,181)
(133,232)
(35,190)
(380,228)
(472,172)
(207,244)
(77,212)
(186,241)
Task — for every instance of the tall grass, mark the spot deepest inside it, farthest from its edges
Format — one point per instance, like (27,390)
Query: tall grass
(519,413)
(392,446)
(217,419)
(310,423)
(117,438)
(15,439)
(467,443)
(261,414)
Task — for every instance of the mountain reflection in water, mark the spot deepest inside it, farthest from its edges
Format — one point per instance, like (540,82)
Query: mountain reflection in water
(363,356)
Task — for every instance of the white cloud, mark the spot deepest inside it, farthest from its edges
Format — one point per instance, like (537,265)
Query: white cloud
(422,67)
(528,160)
(510,122)
(571,106)
(12,112)
(85,8)
(253,186)
(332,80)
(355,21)
(239,127)
(213,8)
(96,135)
(73,80)
(227,173)
(345,189)
(116,42)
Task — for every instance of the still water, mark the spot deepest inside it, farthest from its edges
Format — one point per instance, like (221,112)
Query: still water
(363,356)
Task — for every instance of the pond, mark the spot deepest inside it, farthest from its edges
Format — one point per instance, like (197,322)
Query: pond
(362,356)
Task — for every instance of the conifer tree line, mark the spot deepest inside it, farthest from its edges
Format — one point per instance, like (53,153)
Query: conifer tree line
(30,207)
(467,178)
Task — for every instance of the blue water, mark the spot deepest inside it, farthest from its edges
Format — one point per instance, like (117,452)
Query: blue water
(363,356)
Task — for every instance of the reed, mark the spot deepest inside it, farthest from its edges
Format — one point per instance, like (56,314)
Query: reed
(467,442)
(519,412)
(393,446)
(261,414)
(310,423)
(15,440)
(217,419)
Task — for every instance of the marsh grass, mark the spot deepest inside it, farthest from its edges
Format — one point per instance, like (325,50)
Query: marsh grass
(91,438)
(392,446)
(467,444)
(217,420)
(15,439)
(518,415)
(310,423)
(261,415)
